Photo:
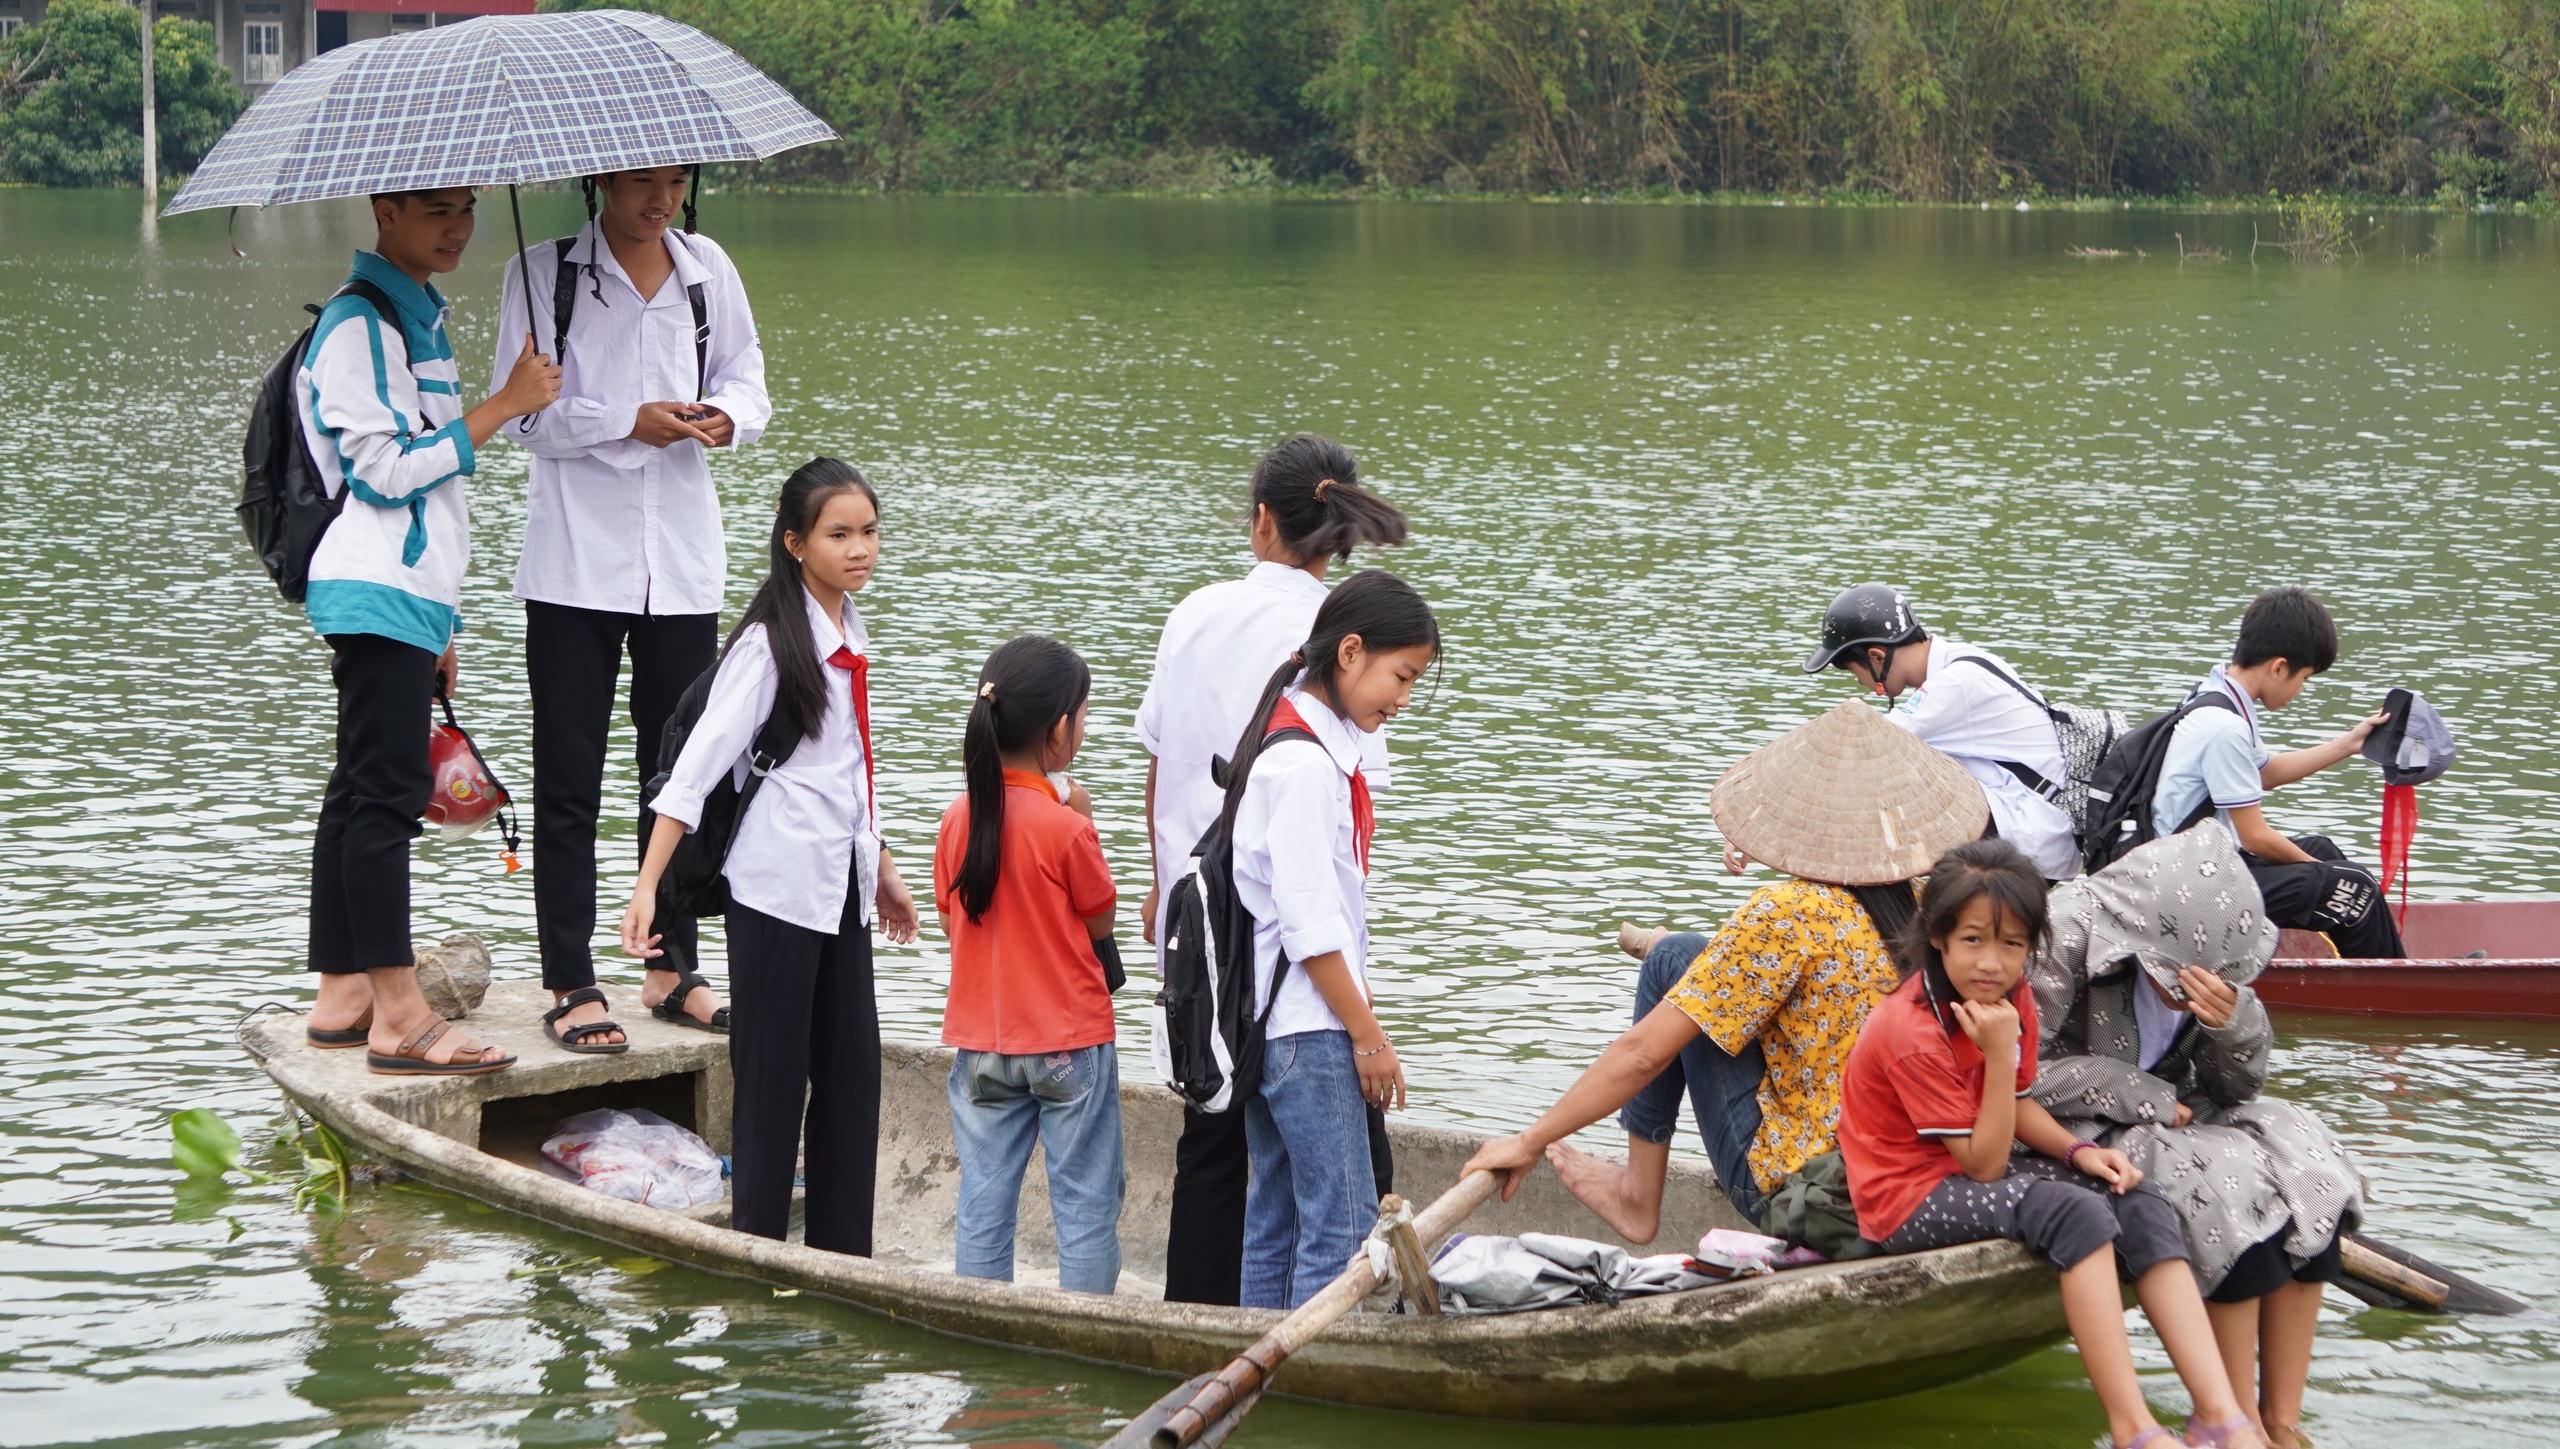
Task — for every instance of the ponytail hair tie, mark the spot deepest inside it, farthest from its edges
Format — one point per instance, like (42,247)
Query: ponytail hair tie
(1298,657)
(1321,485)
(987,691)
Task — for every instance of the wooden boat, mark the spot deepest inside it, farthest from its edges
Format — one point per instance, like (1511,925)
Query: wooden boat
(2517,978)
(1769,1345)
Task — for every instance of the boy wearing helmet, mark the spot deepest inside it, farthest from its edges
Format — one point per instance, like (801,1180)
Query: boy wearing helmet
(1968,704)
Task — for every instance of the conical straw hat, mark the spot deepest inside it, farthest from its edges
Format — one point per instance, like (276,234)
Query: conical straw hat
(1848,798)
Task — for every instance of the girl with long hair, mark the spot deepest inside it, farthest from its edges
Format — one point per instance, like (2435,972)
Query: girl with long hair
(1303,825)
(808,878)
(1026,899)
(1308,508)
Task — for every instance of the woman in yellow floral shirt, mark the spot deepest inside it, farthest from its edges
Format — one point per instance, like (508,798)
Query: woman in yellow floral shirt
(1755,1023)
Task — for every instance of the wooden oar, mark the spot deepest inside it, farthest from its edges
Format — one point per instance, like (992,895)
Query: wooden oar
(1203,1411)
(2388,1276)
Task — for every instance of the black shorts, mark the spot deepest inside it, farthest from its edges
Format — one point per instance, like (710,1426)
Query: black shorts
(2264,1268)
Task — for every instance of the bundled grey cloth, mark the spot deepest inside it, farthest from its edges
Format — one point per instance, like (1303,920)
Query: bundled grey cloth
(1482,1274)
(2246,1165)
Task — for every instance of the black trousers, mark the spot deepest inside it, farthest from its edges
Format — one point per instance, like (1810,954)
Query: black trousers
(573,657)
(1204,1244)
(377,791)
(2328,894)
(805,1027)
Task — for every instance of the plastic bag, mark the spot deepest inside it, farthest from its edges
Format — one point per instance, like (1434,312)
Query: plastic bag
(636,1156)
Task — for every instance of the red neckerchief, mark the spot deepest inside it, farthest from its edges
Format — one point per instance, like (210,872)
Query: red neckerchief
(859,666)
(1364,814)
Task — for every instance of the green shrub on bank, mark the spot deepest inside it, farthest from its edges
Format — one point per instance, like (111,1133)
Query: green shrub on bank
(71,95)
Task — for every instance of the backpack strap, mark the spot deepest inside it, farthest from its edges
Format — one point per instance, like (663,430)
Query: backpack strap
(564,297)
(2051,791)
(2011,680)
(693,296)
(2201,699)
(1280,973)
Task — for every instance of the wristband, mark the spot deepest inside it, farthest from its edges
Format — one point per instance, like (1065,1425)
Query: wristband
(1373,1051)
(2074,1151)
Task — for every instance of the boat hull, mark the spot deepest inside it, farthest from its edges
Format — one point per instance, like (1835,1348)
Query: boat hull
(2518,979)
(1773,1345)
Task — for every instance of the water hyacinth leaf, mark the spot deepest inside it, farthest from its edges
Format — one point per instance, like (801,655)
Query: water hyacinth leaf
(201,1144)
(639,1267)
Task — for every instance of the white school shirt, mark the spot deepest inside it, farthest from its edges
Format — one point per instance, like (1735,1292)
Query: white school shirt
(1296,867)
(811,829)
(1216,654)
(612,523)
(1970,715)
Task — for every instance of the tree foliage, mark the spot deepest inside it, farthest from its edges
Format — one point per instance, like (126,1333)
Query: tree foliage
(71,95)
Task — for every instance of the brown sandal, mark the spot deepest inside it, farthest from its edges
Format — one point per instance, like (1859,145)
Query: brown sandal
(411,1059)
(329,1041)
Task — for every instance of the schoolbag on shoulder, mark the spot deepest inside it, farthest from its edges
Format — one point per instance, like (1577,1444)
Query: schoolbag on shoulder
(564,305)
(2121,792)
(693,883)
(285,505)
(1208,1037)
(2085,734)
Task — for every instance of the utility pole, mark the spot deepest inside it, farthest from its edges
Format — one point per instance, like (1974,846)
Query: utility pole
(150,113)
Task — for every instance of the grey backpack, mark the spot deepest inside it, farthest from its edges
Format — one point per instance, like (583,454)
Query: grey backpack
(2085,735)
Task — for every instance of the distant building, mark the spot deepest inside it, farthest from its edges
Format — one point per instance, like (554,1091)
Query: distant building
(262,39)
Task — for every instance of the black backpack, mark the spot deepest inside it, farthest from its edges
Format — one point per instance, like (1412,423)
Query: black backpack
(2121,791)
(564,305)
(693,883)
(285,505)
(2084,734)
(1208,1040)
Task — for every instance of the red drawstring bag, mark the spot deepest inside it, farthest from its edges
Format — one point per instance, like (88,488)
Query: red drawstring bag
(466,795)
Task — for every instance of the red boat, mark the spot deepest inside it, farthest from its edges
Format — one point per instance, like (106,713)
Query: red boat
(2493,958)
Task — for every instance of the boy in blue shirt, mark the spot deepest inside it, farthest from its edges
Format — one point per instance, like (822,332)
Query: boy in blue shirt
(2217,764)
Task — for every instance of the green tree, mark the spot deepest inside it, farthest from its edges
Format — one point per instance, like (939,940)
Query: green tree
(71,95)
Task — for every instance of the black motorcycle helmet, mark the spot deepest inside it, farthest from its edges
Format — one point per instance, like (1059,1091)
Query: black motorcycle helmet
(1864,616)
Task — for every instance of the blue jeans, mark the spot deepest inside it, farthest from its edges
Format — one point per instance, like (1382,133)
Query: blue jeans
(1724,1088)
(1313,1196)
(1071,1102)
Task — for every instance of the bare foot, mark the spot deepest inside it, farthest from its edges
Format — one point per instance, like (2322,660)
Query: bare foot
(699,1004)
(580,1016)
(1639,941)
(1602,1187)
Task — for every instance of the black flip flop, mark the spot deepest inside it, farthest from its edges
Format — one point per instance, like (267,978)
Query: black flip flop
(329,1041)
(673,1013)
(574,1037)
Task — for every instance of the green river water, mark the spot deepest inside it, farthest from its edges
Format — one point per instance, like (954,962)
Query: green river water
(1641,447)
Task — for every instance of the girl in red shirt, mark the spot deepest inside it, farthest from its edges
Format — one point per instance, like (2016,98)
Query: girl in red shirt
(1933,1098)
(1026,900)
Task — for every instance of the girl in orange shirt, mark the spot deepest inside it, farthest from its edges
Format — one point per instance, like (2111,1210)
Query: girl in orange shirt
(1026,899)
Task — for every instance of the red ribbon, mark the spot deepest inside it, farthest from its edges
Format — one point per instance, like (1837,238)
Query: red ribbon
(2399,827)
(859,666)
(1364,814)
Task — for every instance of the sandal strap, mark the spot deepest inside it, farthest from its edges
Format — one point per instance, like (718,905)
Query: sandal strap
(416,1046)
(583,996)
(581,1030)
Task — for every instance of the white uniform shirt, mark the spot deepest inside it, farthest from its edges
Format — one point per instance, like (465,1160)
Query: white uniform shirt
(1296,867)
(811,830)
(612,523)
(1217,653)
(1971,715)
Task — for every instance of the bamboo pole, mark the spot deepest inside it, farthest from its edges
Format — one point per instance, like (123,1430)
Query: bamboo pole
(2383,1273)
(1411,1266)
(1253,1368)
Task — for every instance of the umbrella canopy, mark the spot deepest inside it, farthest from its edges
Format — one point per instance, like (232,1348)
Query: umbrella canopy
(500,100)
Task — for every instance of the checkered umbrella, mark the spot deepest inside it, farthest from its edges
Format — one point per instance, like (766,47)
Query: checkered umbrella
(497,101)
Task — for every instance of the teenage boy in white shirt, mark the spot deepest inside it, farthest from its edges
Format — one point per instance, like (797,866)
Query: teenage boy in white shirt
(1968,704)
(623,545)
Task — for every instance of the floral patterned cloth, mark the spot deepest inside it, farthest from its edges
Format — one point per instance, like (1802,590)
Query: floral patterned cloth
(1797,970)
(2247,1166)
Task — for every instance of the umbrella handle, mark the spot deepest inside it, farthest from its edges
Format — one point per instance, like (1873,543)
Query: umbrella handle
(524,272)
